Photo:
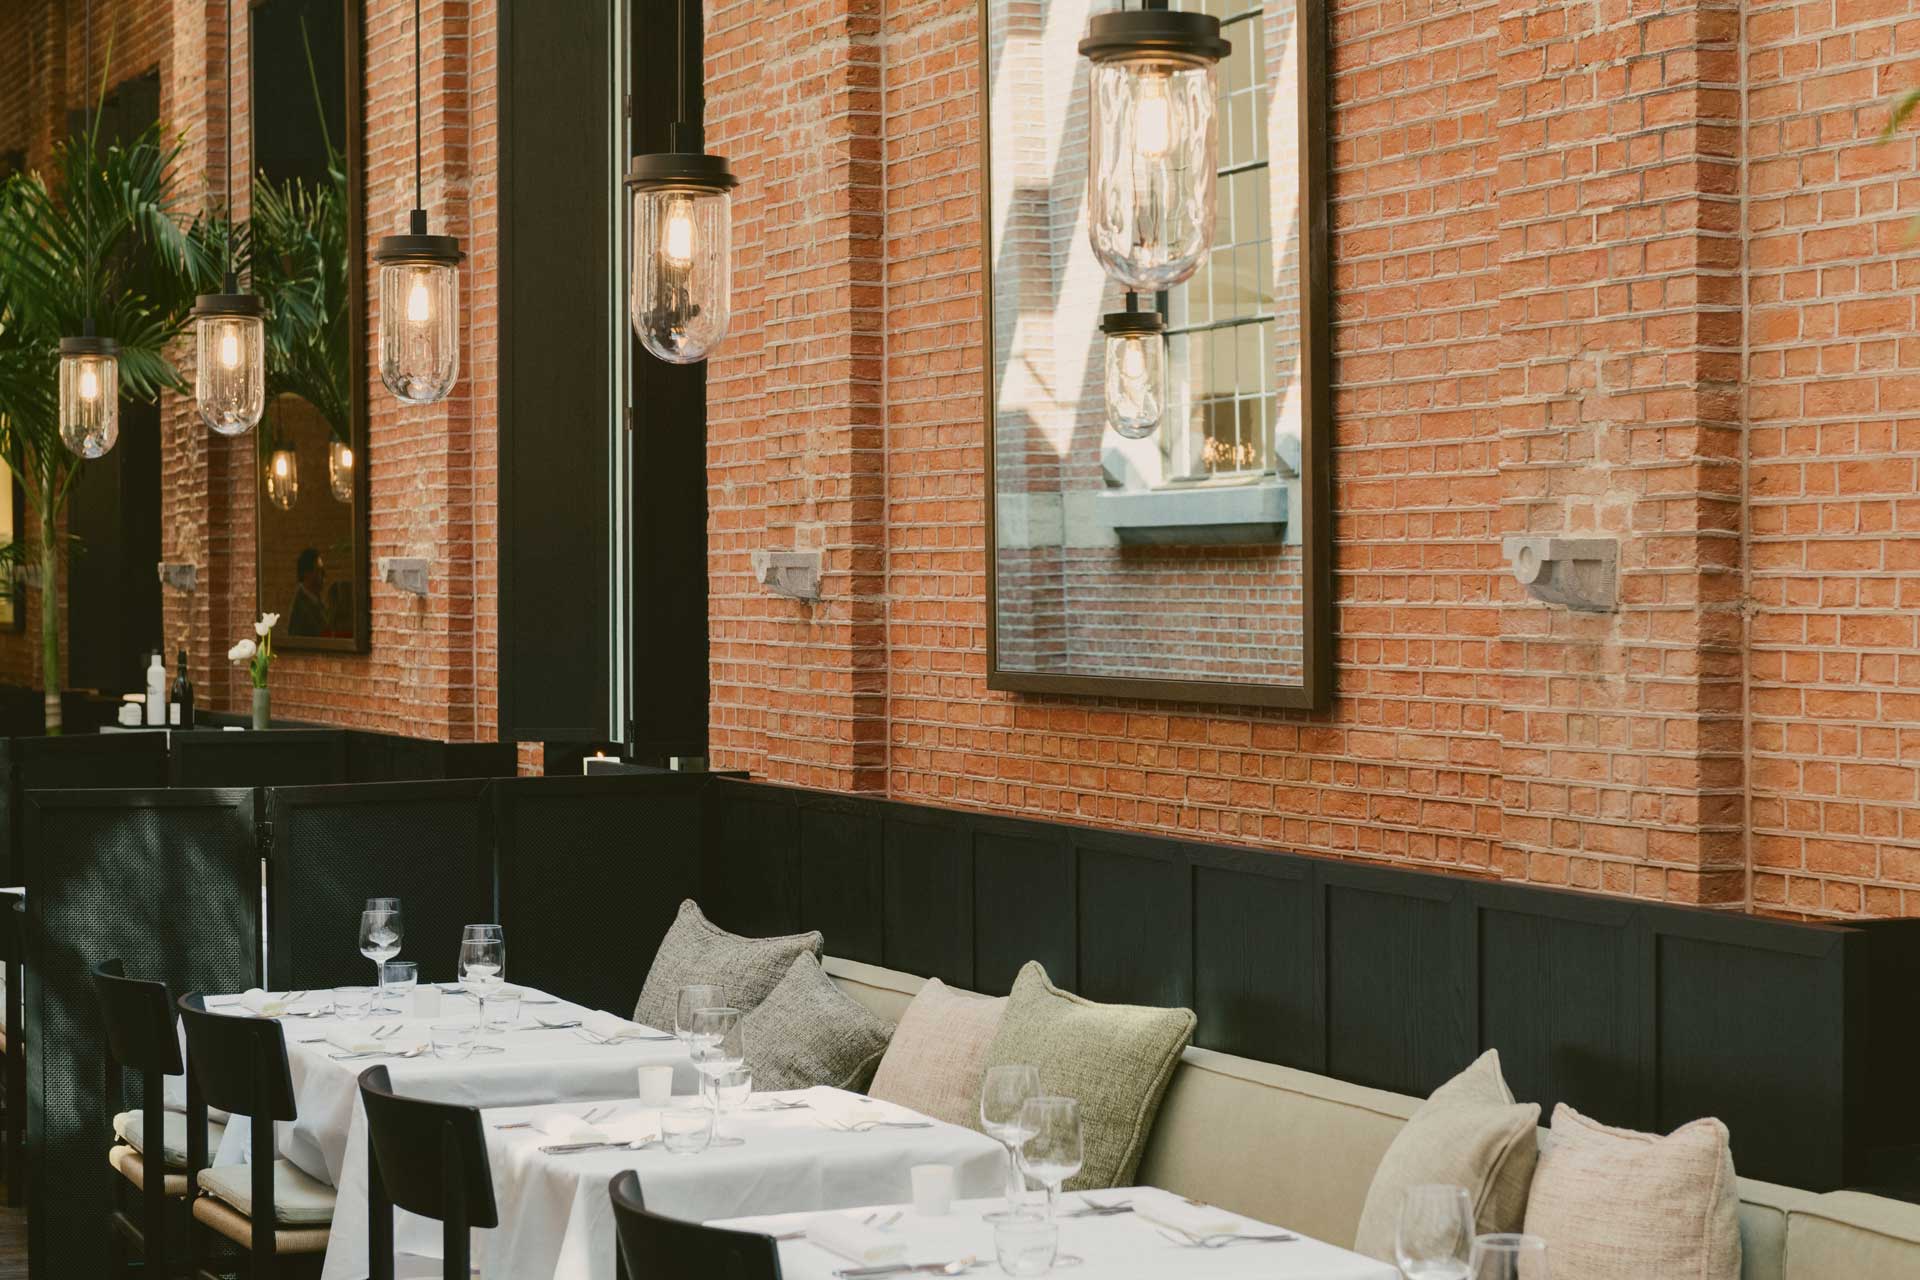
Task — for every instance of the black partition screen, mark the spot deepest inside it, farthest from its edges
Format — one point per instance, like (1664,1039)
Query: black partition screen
(104,761)
(167,881)
(591,873)
(430,844)
(282,757)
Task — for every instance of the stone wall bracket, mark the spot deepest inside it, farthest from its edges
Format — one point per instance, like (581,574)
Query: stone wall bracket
(176,576)
(405,573)
(1580,573)
(793,574)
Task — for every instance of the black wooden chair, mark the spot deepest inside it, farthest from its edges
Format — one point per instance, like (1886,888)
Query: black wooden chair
(277,1215)
(142,1036)
(651,1245)
(428,1158)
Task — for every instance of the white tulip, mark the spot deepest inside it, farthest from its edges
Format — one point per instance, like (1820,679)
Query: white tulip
(241,652)
(269,621)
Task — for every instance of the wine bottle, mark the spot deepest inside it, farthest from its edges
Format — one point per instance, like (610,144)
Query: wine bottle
(182,693)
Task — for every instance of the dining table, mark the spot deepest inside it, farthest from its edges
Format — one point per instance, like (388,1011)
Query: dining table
(1101,1237)
(800,1150)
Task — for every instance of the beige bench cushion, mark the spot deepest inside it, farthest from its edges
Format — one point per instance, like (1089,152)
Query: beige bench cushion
(939,1054)
(131,1128)
(1851,1236)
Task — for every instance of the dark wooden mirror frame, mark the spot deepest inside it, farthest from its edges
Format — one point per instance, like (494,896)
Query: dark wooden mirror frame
(1316,686)
(360,642)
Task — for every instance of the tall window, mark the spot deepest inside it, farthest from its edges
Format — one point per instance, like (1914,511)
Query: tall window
(1220,324)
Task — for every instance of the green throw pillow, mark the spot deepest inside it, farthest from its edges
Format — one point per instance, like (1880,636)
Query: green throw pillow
(808,1032)
(696,951)
(1115,1058)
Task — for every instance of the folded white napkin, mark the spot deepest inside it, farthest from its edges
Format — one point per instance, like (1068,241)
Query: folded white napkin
(605,1024)
(263,1004)
(562,1126)
(1168,1210)
(839,1110)
(854,1240)
(353,1037)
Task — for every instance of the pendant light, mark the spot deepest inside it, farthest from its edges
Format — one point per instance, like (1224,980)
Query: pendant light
(1151,159)
(1136,370)
(680,297)
(230,332)
(283,472)
(419,291)
(340,470)
(89,365)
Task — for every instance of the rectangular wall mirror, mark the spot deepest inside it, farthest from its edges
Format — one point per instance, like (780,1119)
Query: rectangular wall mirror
(308,266)
(1191,564)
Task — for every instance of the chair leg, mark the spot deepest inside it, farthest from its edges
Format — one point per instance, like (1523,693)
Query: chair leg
(117,1266)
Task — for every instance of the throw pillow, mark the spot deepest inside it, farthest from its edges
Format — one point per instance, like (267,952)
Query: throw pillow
(1468,1133)
(808,1032)
(939,1053)
(1613,1203)
(1115,1058)
(695,950)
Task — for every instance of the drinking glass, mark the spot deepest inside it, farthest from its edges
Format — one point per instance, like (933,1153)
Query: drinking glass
(702,996)
(452,1039)
(1025,1244)
(717,1043)
(381,929)
(399,977)
(731,1091)
(502,1011)
(482,964)
(1508,1257)
(1055,1148)
(1003,1097)
(686,1130)
(1435,1233)
(351,1003)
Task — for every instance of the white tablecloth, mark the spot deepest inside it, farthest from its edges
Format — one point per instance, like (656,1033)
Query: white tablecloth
(557,1218)
(329,1140)
(1121,1247)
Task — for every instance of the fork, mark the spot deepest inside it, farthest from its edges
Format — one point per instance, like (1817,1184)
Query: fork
(623,1038)
(414,1052)
(569,1148)
(1221,1239)
(556,1026)
(864,1126)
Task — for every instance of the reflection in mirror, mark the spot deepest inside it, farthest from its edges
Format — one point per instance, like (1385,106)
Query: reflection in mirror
(306,263)
(1186,563)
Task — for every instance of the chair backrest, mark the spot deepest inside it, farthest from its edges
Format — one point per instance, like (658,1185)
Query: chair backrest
(655,1246)
(139,1020)
(239,1062)
(422,1147)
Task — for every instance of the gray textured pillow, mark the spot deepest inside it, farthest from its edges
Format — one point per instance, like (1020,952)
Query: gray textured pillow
(695,950)
(808,1032)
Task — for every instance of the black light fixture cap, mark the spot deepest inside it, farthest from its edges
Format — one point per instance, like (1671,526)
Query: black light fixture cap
(89,346)
(681,170)
(228,304)
(1118,322)
(1155,33)
(418,246)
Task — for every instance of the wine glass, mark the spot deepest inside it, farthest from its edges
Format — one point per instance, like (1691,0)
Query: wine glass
(717,1043)
(1003,1098)
(380,933)
(1508,1257)
(701,996)
(482,964)
(1435,1234)
(1055,1148)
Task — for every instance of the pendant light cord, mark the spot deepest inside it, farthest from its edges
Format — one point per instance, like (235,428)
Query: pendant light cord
(680,52)
(86,190)
(418,201)
(229,283)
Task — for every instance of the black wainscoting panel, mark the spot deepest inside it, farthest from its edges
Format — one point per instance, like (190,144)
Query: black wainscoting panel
(752,884)
(169,882)
(1257,987)
(1560,998)
(841,876)
(430,844)
(1026,893)
(1136,923)
(388,757)
(592,871)
(110,761)
(929,898)
(1749,1034)
(1398,982)
(273,758)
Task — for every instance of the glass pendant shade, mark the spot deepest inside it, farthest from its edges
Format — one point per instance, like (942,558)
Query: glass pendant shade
(1136,372)
(419,314)
(89,395)
(1151,153)
(230,370)
(681,294)
(283,478)
(340,470)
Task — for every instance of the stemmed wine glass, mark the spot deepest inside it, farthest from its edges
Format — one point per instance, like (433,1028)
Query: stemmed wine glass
(482,964)
(1055,1148)
(381,929)
(1508,1257)
(1003,1098)
(717,1043)
(1435,1234)
(692,999)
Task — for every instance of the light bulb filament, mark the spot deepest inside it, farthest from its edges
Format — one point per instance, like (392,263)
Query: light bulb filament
(676,241)
(419,302)
(89,383)
(229,350)
(280,464)
(1153,117)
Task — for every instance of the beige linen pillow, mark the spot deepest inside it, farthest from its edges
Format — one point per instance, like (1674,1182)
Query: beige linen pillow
(1468,1133)
(1613,1204)
(939,1053)
(1115,1058)
(696,950)
(808,1032)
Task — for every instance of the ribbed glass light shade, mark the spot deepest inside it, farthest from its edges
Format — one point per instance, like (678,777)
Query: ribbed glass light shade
(1136,382)
(89,396)
(419,329)
(283,478)
(230,381)
(682,288)
(340,470)
(1151,168)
